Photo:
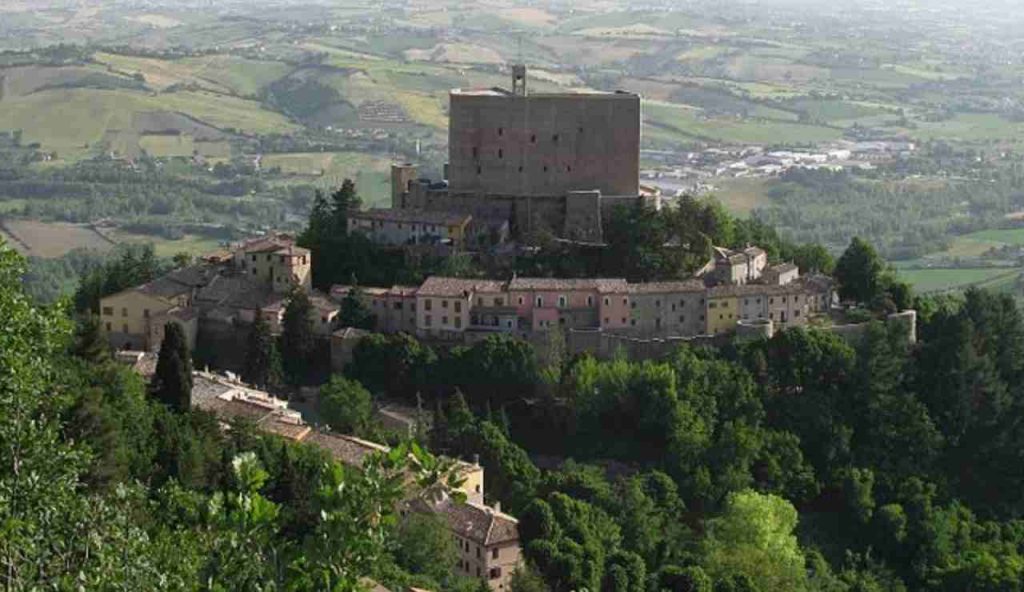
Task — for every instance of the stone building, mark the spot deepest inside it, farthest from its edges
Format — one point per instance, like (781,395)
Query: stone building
(557,162)
(443,305)
(728,266)
(410,226)
(134,318)
(487,539)
(276,261)
(214,297)
(543,145)
(667,308)
(465,310)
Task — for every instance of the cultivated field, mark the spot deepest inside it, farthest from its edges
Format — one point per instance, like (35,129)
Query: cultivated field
(50,239)
(328,170)
(941,280)
(193,245)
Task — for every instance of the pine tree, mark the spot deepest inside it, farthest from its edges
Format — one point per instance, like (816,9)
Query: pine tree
(459,415)
(172,383)
(262,355)
(319,224)
(297,340)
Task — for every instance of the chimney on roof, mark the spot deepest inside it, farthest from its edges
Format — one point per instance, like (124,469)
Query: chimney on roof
(497,506)
(519,80)
(476,459)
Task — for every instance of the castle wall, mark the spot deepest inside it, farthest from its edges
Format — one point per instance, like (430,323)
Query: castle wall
(544,145)
(583,216)
(525,213)
(604,345)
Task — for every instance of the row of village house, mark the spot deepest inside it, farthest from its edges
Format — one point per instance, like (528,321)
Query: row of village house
(445,308)
(229,288)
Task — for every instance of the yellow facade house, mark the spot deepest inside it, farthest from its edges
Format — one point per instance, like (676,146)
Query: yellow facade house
(134,318)
(722,310)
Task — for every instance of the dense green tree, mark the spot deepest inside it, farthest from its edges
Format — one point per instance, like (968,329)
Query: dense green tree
(754,537)
(262,359)
(894,432)
(512,478)
(648,509)
(130,265)
(354,313)
(245,555)
(298,343)
(90,343)
(424,545)
(343,201)
(810,258)
(39,505)
(172,382)
(345,405)
(320,223)
(398,365)
(683,579)
(526,579)
(859,272)
(570,541)
(498,370)
(806,387)
(624,572)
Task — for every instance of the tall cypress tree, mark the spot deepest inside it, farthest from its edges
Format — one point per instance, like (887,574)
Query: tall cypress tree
(262,360)
(90,344)
(354,313)
(297,339)
(172,383)
(344,200)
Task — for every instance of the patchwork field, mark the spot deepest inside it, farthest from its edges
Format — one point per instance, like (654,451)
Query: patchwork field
(673,123)
(741,196)
(977,244)
(328,170)
(193,245)
(73,122)
(941,280)
(973,127)
(50,239)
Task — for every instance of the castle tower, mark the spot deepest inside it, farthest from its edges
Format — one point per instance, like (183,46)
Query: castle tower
(519,80)
(401,176)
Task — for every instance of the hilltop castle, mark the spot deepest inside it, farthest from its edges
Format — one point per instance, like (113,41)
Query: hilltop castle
(545,161)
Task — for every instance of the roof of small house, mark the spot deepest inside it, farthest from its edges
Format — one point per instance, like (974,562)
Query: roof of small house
(476,522)
(458,287)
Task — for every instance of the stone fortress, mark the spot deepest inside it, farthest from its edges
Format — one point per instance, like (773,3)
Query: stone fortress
(555,162)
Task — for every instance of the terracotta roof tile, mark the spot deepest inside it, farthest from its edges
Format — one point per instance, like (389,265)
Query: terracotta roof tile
(667,287)
(556,284)
(457,287)
(476,522)
(346,449)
